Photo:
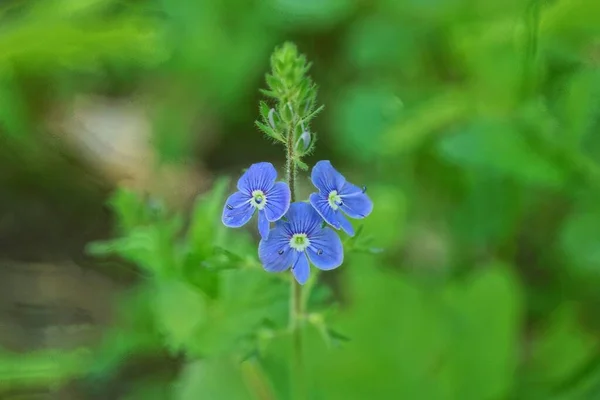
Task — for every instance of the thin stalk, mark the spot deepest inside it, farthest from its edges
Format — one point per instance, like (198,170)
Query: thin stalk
(298,378)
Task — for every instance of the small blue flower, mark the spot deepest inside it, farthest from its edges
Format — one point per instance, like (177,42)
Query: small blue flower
(297,238)
(257,191)
(336,195)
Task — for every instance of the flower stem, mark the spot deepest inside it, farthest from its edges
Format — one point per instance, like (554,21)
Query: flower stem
(290,166)
(297,378)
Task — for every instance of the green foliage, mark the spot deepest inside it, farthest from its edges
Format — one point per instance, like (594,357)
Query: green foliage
(206,299)
(179,309)
(51,368)
(472,123)
(296,96)
(495,147)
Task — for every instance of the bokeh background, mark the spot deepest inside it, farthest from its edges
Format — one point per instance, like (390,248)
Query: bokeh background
(474,124)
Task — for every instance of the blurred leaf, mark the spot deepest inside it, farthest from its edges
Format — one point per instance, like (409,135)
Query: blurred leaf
(418,123)
(580,240)
(211,68)
(14,114)
(498,148)
(580,101)
(67,9)
(360,120)
(41,368)
(68,45)
(308,14)
(211,379)
(565,340)
(173,128)
(130,209)
(484,319)
(570,26)
(489,213)
(331,337)
(302,165)
(246,298)
(378,42)
(152,388)
(180,310)
(206,221)
(152,247)
(390,210)
(396,342)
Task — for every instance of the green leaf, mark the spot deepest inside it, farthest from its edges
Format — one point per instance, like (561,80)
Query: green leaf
(309,14)
(14,113)
(203,233)
(482,333)
(211,379)
(151,247)
(264,110)
(313,114)
(420,123)
(267,130)
(246,298)
(44,368)
(301,164)
(399,358)
(497,147)
(579,109)
(123,39)
(360,119)
(377,42)
(580,240)
(130,209)
(179,310)
(561,338)
(489,211)
(391,210)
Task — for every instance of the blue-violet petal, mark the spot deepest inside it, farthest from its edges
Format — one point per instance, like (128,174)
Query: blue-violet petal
(260,176)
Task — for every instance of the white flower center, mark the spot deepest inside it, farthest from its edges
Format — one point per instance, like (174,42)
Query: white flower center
(334,199)
(299,242)
(258,200)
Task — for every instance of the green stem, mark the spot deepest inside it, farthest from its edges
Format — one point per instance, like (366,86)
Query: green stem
(290,166)
(296,308)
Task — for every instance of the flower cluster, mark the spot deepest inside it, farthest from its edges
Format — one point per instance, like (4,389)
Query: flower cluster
(299,234)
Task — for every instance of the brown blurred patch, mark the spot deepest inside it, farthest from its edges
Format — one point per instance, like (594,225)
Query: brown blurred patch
(114,136)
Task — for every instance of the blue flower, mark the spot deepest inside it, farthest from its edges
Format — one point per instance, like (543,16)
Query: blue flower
(257,191)
(336,195)
(297,238)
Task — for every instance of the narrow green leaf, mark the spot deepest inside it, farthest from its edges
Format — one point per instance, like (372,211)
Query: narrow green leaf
(269,132)
(264,110)
(301,164)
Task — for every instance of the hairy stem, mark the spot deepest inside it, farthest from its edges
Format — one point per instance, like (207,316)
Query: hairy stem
(296,311)
(290,165)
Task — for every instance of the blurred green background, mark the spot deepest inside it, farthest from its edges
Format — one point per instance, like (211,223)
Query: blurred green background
(474,124)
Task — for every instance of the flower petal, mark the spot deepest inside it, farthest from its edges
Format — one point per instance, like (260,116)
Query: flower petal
(237,210)
(263,225)
(325,251)
(278,201)
(355,203)
(326,178)
(260,176)
(301,269)
(321,205)
(345,224)
(237,200)
(302,218)
(275,252)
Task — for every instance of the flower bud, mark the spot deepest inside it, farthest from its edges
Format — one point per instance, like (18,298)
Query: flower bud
(303,142)
(272,118)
